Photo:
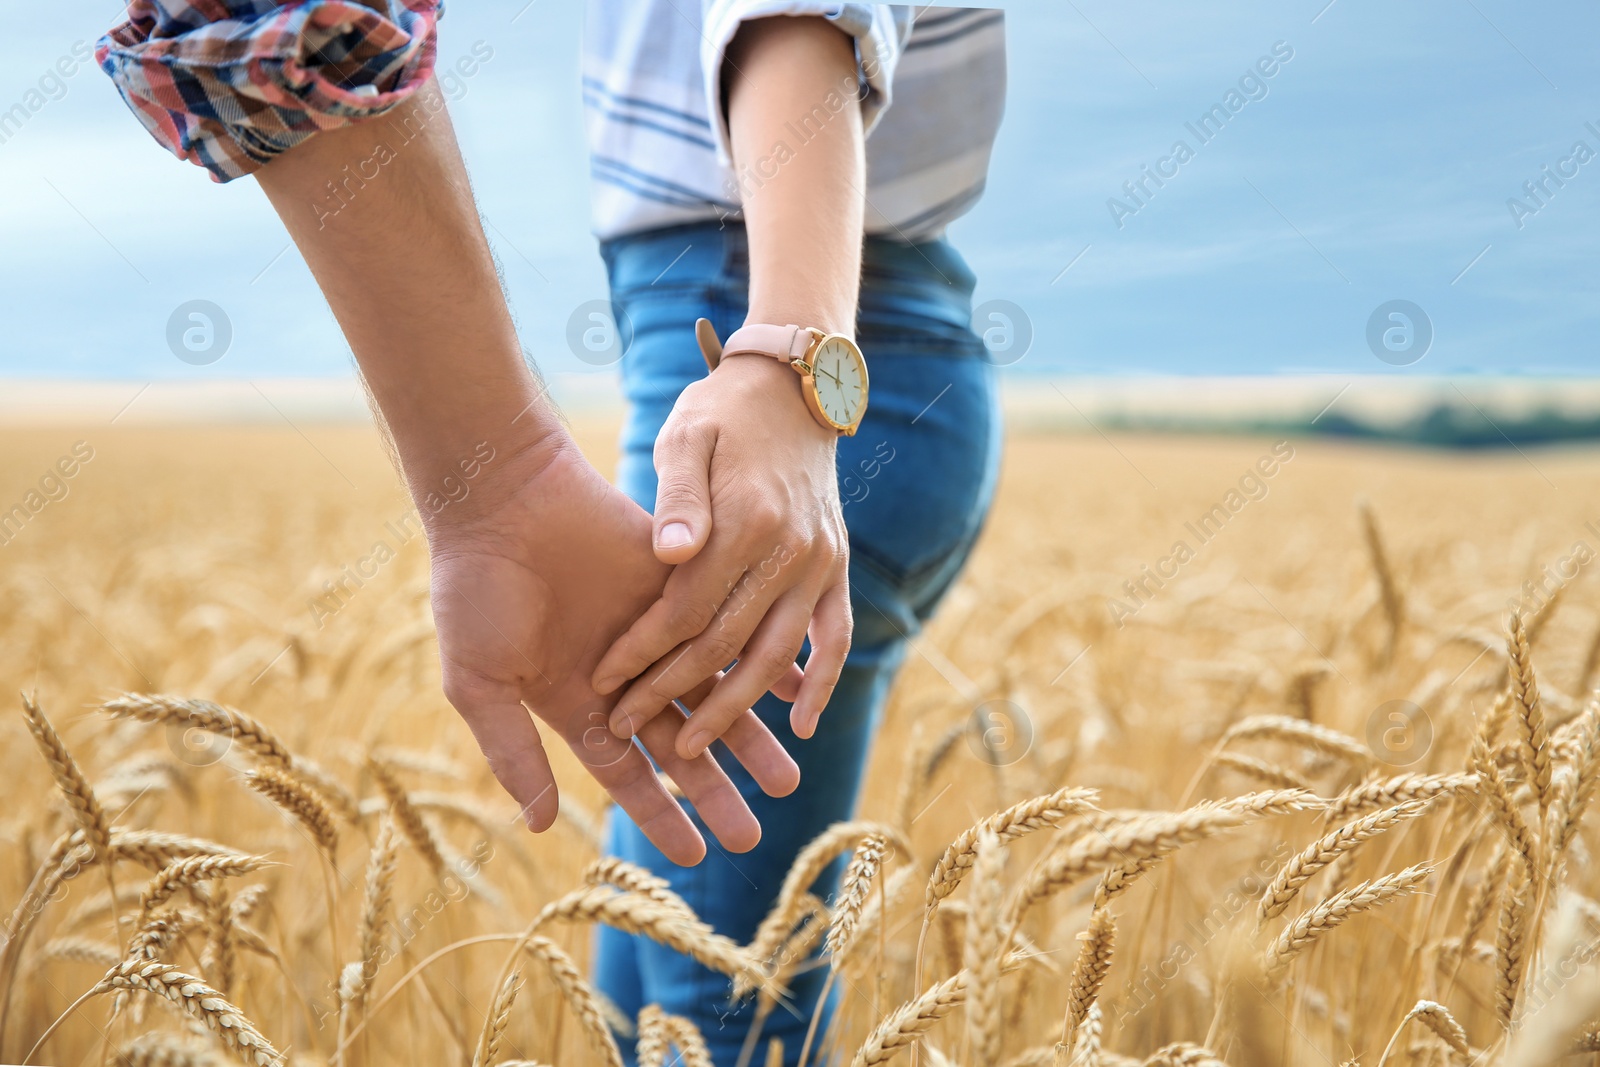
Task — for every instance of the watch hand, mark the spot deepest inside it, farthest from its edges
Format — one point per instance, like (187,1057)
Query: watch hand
(835,378)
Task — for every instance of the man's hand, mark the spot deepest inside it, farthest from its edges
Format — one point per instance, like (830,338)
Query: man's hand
(543,564)
(526,597)
(748,507)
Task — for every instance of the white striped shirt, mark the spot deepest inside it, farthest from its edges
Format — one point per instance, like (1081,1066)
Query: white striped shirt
(932,87)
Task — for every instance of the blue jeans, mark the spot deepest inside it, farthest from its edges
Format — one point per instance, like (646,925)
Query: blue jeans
(916,482)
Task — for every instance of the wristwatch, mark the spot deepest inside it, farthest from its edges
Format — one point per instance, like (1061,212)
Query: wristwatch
(833,374)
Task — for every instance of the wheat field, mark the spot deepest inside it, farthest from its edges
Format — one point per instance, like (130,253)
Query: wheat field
(1223,751)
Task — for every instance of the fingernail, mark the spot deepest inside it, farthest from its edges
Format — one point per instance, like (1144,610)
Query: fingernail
(694,744)
(607,684)
(674,535)
(622,725)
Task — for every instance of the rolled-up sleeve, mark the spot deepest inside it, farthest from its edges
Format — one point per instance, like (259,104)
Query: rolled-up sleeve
(879,30)
(230,84)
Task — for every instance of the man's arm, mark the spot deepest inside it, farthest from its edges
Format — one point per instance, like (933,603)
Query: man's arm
(542,564)
(743,467)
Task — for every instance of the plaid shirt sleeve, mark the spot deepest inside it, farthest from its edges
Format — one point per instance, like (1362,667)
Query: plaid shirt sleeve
(229,84)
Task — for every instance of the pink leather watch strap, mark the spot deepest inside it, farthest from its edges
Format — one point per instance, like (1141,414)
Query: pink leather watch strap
(781,342)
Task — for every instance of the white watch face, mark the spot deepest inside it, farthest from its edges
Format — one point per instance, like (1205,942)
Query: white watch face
(841,379)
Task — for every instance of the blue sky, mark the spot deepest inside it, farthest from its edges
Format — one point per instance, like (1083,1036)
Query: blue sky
(1377,166)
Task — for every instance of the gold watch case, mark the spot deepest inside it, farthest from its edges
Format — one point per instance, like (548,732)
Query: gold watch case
(837,360)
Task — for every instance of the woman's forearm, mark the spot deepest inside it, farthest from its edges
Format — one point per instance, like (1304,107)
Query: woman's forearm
(795,125)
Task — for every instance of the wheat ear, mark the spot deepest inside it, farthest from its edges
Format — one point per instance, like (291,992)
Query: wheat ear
(1388,588)
(1019,820)
(1141,837)
(163,1050)
(1529,711)
(982,950)
(1184,1054)
(1339,909)
(1294,731)
(199,1000)
(180,874)
(407,817)
(377,898)
(1301,867)
(204,715)
(72,782)
(691,1044)
(1437,1017)
(79,950)
(1273,774)
(908,1023)
(791,906)
(1574,791)
(579,995)
(634,914)
(858,880)
(1511,944)
(1089,972)
(1120,879)
(1388,792)
(1504,806)
(655,1039)
(494,1025)
(301,801)
(155,849)
(609,870)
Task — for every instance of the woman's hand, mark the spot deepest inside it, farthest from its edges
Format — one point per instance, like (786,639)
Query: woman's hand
(527,594)
(748,507)
(748,510)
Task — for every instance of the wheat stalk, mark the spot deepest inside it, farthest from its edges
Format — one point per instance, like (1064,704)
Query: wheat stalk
(1120,879)
(156,850)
